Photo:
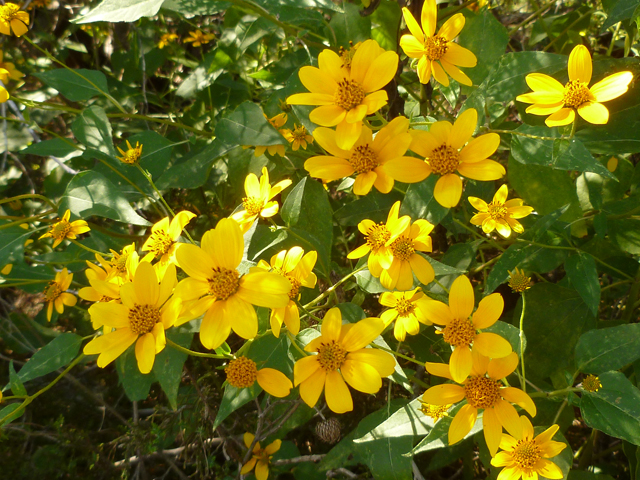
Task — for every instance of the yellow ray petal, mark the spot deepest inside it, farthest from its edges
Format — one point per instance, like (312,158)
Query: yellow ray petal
(462,423)
(455,73)
(412,25)
(327,115)
(564,116)
(347,134)
(337,394)
(452,27)
(146,285)
(439,74)
(317,81)
(274,382)
(459,56)
(328,168)
(517,396)
(215,327)
(146,352)
(361,376)
(489,311)
(445,394)
(448,190)
(612,86)
(483,170)
(411,46)
(460,363)
(463,128)
(461,300)
(594,112)
(362,334)
(364,182)
(331,63)
(480,148)
(492,430)
(383,362)
(381,72)
(310,99)
(429,16)
(501,367)
(424,69)
(304,368)
(580,64)
(539,82)
(548,469)
(509,418)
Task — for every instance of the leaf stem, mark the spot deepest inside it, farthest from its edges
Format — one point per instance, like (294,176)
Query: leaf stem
(523,379)
(195,354)
(329,290)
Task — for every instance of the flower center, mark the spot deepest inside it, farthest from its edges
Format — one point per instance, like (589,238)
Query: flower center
(402,248)
(526,453)
(435,47)
(52,291)
(576,93)
(299,133)
(346,55)
(60,230)
(518,281)
(497,211)
(131,156)
(363,159)
(349,94)
(161,243)
(482,392)
(377,236)
(223,283)
(252,205)
(404,307)
(142,318)
(591,383)
(459,332)
(295,286)
(241,372)
(444,159)
(331,356)
(119,262)
(9,11)
(436,412)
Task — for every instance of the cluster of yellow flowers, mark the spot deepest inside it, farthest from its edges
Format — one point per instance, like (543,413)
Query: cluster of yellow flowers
(196,37)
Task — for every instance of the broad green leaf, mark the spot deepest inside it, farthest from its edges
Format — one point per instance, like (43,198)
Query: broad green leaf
(625,234)
(248,126)
(205,74)
(136,385)
(12,244)
(374,206)
(618,11)
(583,275)
(419,201)
(347,27)
(438,436)
(233,398)
(7,414)
(57,353)
(17,387)
(608,349)
(93,130)
(582,475)
(407,421)
(387,17)
(77,85)
(269,351)
(55,147)
(121,11)
(196,7)
(508,261)
(167,367)
(509,333)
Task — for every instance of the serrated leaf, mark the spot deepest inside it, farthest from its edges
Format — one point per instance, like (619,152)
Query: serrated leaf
(121,11)
(607,349)
(54,355)
(78,85)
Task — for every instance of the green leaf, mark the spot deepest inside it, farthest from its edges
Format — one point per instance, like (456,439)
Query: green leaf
(419,201)
(12,244)
(509,333)
(121,11)
(508,261)
(89,193)
(77,85)
(17,387)
(167,367)
(248,126)
(349,26)
(615,408)
(54,355)
(93,130)
(7,413)
(583,275)
(205,74)
(407,421)
(136,385)
(625,234)
(375,206)
(56,147)
(233,398)
(387,17)
(438,436)
(607,349)
(621,10)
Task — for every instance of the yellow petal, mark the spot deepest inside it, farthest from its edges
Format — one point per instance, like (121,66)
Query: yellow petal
(501,367)
(429,17)
(508,418)
(448,190)
(517,396)
(328,168)
(179,222)
(264,289)
(422,269)
(215,327)
(564,116)
(462,423)
(503,228)
(247,467)
(612,86)
(362,334)
(527,429)
(311,388)
(459,56)
(424,70)
(362,60)
(445,394)
(245,320)
(327,115)
(407,169)
(248,439)
(224,244)
(483,170)
(311,99)
(383,362)
(539,82)
(438,369)
(317,81)
(375,101)
(146,352)
(262,470)
(304,368)
(461,300)
(195,261)
(460,363)
(364,182)
(463,128)
(412,25)
(159,336)
(411,46)
(478,204)
(492,430)
(548,469)
(331,63)
(347,134)
(273,447)
(423,143)
(383,182)
(381,71)
(452,27)
(455,73)
(438,312)
(274,382)
(580,64)
(110,314)
(361,376)
(439,74)
(551,449)
(542,109)
(337,394)
(326,138)
(332,325)
(501,459)
(594,112)
(480,148)
(146,285)
(489,311)
(545,436)
(405,276)
(119,339)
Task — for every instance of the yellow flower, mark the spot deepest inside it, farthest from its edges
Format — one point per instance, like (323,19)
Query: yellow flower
(591,383)
(4,94)
(435,412)
(518,281)
(461,328)
(347,95)
(342,355)
(132,155)
(407,309)
(261,457)
(298,137)
(12,18)
(296,267)
(198,38)
(55,295)
(64,229)
(500,214)
(6,270)
(406,262)
(8,70)
(163,240)
(277,122)
(379,237)
(258,200)
(483,390)
(526,456)
(431,48)
(560,102)
(242,372)
(102,288)
(38,4)
(225,295)
(120,263)
(166,39)
(441,148)
(143,316)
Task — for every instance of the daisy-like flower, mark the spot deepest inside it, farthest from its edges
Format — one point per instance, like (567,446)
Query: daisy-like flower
(6,270)
(296,267)
(561,102)
(63,229)
(518,281)
(406,262)
(435,412)
(8,70)
(258,200)
(102,289)
(55,294)
(166,39)
(437,53)
(591,383)
(143,316)
(242,372)
(298,137)
(347,94)
(277,122)
(448,154)
(132,155)
(198,38)
(260,458)
(483,390)
(407,309)
(163,243)
(367,158)
(342,356)
(4,94)
(526,456)
(500,214)
(220,290)
(378,238)
(461,328)
(12,18)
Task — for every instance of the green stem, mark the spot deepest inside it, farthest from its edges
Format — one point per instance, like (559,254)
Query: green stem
(476,234)
(196,354)
(87,248)
(520,134)
(147,175)
(555,393)
(441,286)
(573,127)
(329,290)
(418,362)
(294,342)
(30,195)
(27,220)
(523,379)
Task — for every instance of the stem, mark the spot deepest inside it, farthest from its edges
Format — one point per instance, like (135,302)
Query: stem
(418,362)
(87,248)
(147,175)
(28,220)
(441,286)
(573,127)
(520,134)
(329,290)
(523,379)
(295,344)
(486,239)
(30,195)
(195,354)
(555,393)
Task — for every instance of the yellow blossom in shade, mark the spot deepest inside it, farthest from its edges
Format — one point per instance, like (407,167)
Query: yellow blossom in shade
(148,308)
(483,390)
(63,229)
(38,4)
(55,294)
(198,38)
(8,70)
(242,372)
(526,456)
(408,311)
(258,201)
(298,137)
(561,102)
(295,266)
(260,458)
(435,412)
(500,214)
(101,289)
(591,383)
(346,95)
(120,263)
(378,238)
(276,122)
(342,356)
(166,39)
(448,154)
(226,296)
(406,261)
(518,281)
(12,18)
(163,243)
(437,53)
(6,270)
(461,328)
(132,155)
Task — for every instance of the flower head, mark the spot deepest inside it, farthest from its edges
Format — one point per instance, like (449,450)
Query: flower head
(132,155)
(526,456)
(448,154)
(55,294)
(347,94)
(298,137)
(166,39)
(342,356)
(198,38)
(63,229)
(103,288)
(591,383)
(561,102)
(260,458)
(500,214)
(242,372)
(407,309)
(12,18)
(163,240)
(276,122)
(435,412)
(8,70)
(518,281)
(437,53)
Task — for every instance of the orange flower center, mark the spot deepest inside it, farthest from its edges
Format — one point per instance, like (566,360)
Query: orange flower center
(436,412)
(223,283)
(363,159)
(298,133)
(132,155)
(402,248)
(119,262)
(497,211)
(295,287)
(591,383)
(346,55)
(377,236)
(435,47)
(142,318)
(9,11)
(444,159)
(161,243)
(459,332)
(576,93)
(252,205)
(404,307)
(60,230)
(331,356)
(526,453)
(349,95)
(518,281)
(52,291)
(241,372)
(481,392)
